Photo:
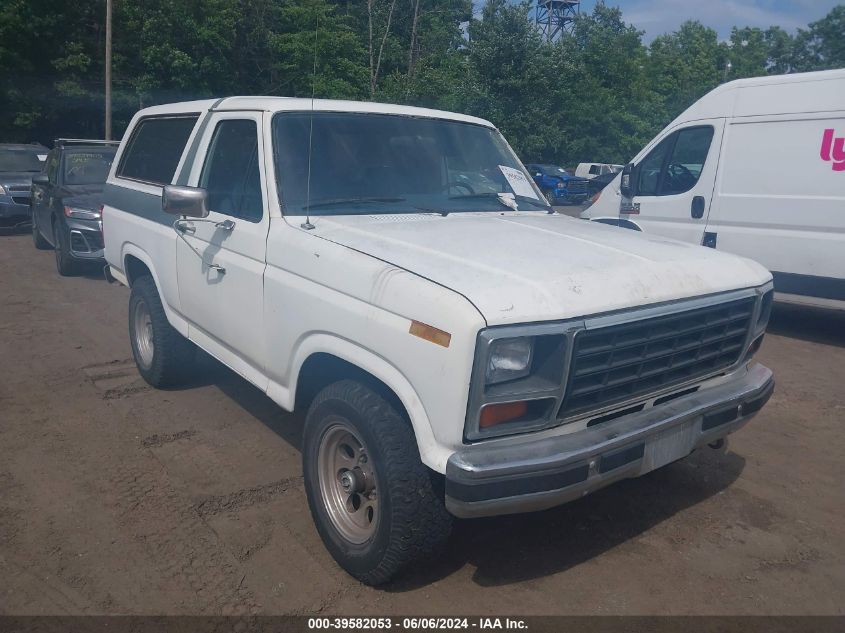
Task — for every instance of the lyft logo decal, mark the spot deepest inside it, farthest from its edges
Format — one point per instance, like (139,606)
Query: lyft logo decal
(833,150)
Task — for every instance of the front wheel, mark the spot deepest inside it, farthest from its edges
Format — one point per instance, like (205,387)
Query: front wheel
(37,239)
(66,265)
(375,504)
(163,356)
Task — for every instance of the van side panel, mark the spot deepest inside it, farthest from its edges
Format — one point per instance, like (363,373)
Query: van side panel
(780,202)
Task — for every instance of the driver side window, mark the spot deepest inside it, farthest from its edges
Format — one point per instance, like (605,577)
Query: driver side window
(231,174)
(675,165)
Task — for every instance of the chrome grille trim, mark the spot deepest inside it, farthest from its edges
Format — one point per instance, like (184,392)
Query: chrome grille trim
(623,361)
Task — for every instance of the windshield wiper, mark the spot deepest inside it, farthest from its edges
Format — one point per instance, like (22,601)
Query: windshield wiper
(340,201)
(492,195)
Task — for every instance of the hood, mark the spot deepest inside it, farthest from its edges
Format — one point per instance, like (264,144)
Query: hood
(84,196)
(526,267)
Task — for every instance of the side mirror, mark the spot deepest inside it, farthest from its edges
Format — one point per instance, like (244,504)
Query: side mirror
(40,179)
(187,201)
(627,187)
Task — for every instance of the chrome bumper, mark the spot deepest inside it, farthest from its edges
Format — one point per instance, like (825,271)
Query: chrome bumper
(524,476)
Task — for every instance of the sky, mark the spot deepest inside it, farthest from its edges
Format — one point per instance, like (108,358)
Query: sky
(660,16)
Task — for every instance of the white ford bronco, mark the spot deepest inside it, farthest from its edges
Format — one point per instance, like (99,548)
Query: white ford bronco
(460,349)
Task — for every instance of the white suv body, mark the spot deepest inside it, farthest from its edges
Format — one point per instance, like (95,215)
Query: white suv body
(428,307)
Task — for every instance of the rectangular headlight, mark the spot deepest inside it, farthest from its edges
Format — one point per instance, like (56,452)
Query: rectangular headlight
(509,359)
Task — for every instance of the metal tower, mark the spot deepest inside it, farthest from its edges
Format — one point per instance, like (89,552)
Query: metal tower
(556,16)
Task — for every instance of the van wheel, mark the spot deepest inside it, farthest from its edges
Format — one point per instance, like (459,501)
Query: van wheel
(163,356)
(37,239)
(373,501)
(65,264)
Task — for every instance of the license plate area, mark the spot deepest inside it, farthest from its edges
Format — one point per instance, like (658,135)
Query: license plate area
(669,446)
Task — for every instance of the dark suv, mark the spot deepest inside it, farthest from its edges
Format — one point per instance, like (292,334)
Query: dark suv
(67,201)
(18,163)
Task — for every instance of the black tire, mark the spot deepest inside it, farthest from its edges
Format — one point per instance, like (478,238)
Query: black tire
(172,355)
(413,522)
(65,264)
(37,239)
(550,196)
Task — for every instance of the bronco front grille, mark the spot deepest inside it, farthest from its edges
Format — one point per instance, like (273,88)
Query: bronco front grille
(619,363)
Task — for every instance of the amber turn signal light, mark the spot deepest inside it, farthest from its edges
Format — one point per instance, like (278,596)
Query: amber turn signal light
(494,414)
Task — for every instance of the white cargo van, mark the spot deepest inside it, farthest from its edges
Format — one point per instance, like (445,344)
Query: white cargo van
(755,167)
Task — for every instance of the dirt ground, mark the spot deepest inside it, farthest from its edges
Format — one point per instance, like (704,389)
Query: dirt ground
(116,498)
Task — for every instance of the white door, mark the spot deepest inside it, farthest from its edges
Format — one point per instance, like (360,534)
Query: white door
(674,182)
(221,260)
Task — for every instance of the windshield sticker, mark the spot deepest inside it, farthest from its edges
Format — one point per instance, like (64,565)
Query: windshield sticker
(42,157)
(518,182)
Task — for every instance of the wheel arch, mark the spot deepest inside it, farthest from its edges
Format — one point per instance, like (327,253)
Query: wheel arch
(136,263)
(323,359)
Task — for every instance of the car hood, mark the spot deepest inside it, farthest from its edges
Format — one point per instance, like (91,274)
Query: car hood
(524,267)
(83,196)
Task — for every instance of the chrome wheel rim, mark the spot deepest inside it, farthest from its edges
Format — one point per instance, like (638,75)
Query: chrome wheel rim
(143,333)
(347,483)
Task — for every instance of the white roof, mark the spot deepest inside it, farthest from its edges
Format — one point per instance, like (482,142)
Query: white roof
(289,104)
(821,91)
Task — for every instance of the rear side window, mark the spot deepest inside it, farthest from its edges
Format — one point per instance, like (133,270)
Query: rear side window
(154,149)
(594,169)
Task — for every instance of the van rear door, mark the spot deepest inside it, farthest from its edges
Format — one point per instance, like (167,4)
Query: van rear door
(674,182)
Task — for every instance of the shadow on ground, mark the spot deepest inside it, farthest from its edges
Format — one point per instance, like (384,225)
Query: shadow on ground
(808,324)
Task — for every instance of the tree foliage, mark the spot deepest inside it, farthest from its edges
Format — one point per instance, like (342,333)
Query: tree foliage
(598,93)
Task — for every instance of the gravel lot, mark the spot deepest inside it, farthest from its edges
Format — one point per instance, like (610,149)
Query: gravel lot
(115,498)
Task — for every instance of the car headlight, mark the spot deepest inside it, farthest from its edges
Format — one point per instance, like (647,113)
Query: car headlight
(509,359)
(3,191)
(82,214)
(560,184)
(517,379)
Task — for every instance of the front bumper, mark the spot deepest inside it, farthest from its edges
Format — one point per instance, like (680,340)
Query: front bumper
(85,239)
(529,475)
(11,208)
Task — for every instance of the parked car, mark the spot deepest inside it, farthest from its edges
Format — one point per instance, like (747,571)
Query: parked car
(594,170)
(458,352)
(67,200)
(600,182)
(18,163)
(755,167)
(558,185)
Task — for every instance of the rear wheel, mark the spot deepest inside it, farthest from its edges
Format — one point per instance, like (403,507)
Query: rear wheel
(375,504)
(37,239)
(65,264)
(163,356)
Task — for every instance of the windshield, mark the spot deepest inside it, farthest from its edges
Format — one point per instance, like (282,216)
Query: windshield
(21,159)
(377,163)
(90,167)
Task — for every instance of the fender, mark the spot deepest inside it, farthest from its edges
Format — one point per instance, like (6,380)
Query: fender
(431,453)
(621,222)
(175,319)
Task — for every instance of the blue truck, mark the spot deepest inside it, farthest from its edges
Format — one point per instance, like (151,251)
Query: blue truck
(558,185)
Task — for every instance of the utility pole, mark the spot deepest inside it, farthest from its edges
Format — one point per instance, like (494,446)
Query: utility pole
(108,70)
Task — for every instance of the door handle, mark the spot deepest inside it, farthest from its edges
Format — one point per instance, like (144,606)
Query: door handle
(697,207)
